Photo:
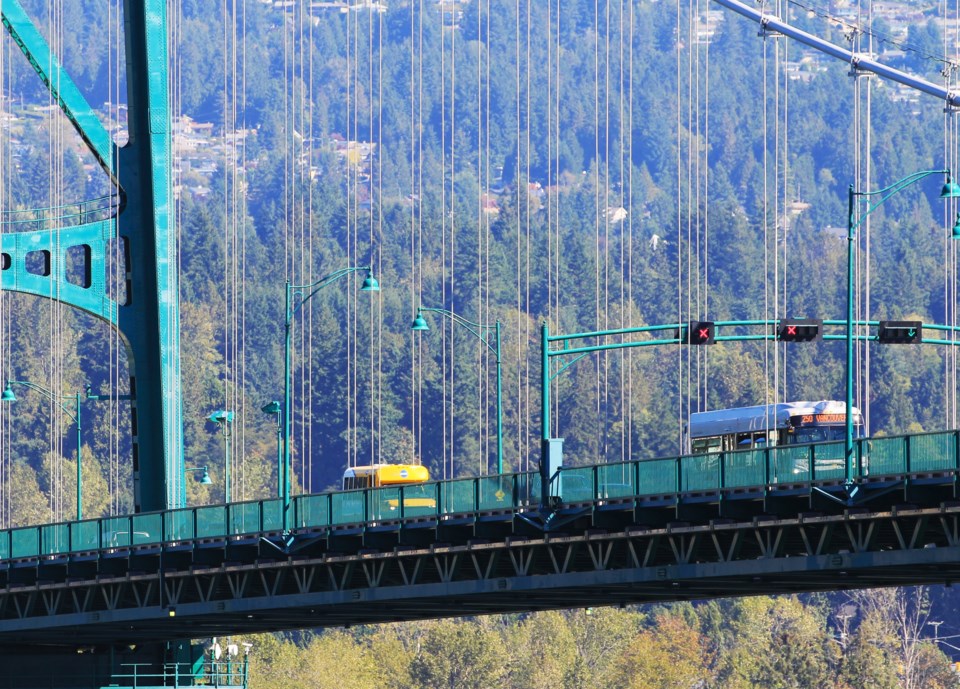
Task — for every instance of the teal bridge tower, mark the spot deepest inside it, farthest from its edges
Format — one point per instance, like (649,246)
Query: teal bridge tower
(127,278)
(143,306)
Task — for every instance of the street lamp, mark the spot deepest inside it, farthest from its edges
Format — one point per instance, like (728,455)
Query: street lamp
(296,297)
(9,396)
(477,329)
(204,478)
(950,190)
(223,419)
(274,407)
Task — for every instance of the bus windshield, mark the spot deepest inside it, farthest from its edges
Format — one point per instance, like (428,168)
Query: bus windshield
(817,434)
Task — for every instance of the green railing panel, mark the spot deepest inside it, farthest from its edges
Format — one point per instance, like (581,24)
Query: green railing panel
(84,535)
(271,512)
(657,476)
(828,461)
(179,525)
(790,464)
(744,468)
(54,539)
(25,542)
(147,528)
(458,497)
(616,480)
(5,545)
(933,452)
(313,511)
(884,456)
(419,500)
(211,521)
(347,508)
(576,485)
(532,488)
(700,472)
(115,532)
(244,517)
(496,492)
(383,503)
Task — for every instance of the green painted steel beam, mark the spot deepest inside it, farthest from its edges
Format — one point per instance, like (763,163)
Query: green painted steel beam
(150,321)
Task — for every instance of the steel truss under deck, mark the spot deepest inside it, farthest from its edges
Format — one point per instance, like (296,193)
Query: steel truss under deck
(224,586)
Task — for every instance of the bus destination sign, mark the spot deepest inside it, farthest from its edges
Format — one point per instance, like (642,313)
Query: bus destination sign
(823,418)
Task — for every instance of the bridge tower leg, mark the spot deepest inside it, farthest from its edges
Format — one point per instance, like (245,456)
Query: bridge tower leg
(146,310)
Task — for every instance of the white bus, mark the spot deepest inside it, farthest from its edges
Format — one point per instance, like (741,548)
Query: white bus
(768,425)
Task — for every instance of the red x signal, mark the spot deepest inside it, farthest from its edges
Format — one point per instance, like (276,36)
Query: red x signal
(799,329)
(698,333)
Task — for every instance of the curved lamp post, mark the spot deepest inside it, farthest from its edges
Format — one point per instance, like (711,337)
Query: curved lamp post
(477,329)
(223,419)
(273,407)
(9,396)
(950,190)
(296,297)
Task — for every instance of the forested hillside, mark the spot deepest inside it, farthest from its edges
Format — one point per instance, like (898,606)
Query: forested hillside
(596,166)
(875,640)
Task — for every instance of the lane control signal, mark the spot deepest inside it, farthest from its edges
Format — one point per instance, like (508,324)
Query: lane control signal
(800,329)
(900,332)
(699,333)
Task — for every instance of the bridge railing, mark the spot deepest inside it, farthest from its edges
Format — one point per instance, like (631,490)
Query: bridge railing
(763,469)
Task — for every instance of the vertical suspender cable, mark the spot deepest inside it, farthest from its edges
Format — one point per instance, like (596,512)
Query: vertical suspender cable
(596,206)
(480,358)
(680,350)
(777,212)
(517,182)
(766,216)
(630,213)
(868,181)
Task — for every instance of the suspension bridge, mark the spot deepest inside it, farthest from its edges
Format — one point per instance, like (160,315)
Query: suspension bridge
(113,599)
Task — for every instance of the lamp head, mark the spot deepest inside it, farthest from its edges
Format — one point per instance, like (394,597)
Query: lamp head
(419,323)
(272,407)
(205,478)
(221,416)
(956,235)
(951,190)
(370,284)
(7,394)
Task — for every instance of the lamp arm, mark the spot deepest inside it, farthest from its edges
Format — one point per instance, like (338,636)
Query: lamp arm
(474,328)
(892,190)
(315,287)
(564,366)
(52,396)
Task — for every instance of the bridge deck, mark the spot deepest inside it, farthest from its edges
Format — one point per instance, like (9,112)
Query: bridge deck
(773,520)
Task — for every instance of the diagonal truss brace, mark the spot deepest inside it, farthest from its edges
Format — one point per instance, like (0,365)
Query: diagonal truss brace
(61,86)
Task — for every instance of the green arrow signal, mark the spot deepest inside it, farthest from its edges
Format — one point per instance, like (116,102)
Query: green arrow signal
(912,332)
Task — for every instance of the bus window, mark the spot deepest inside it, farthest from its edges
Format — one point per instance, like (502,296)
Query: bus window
(356,482)
(702,446)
